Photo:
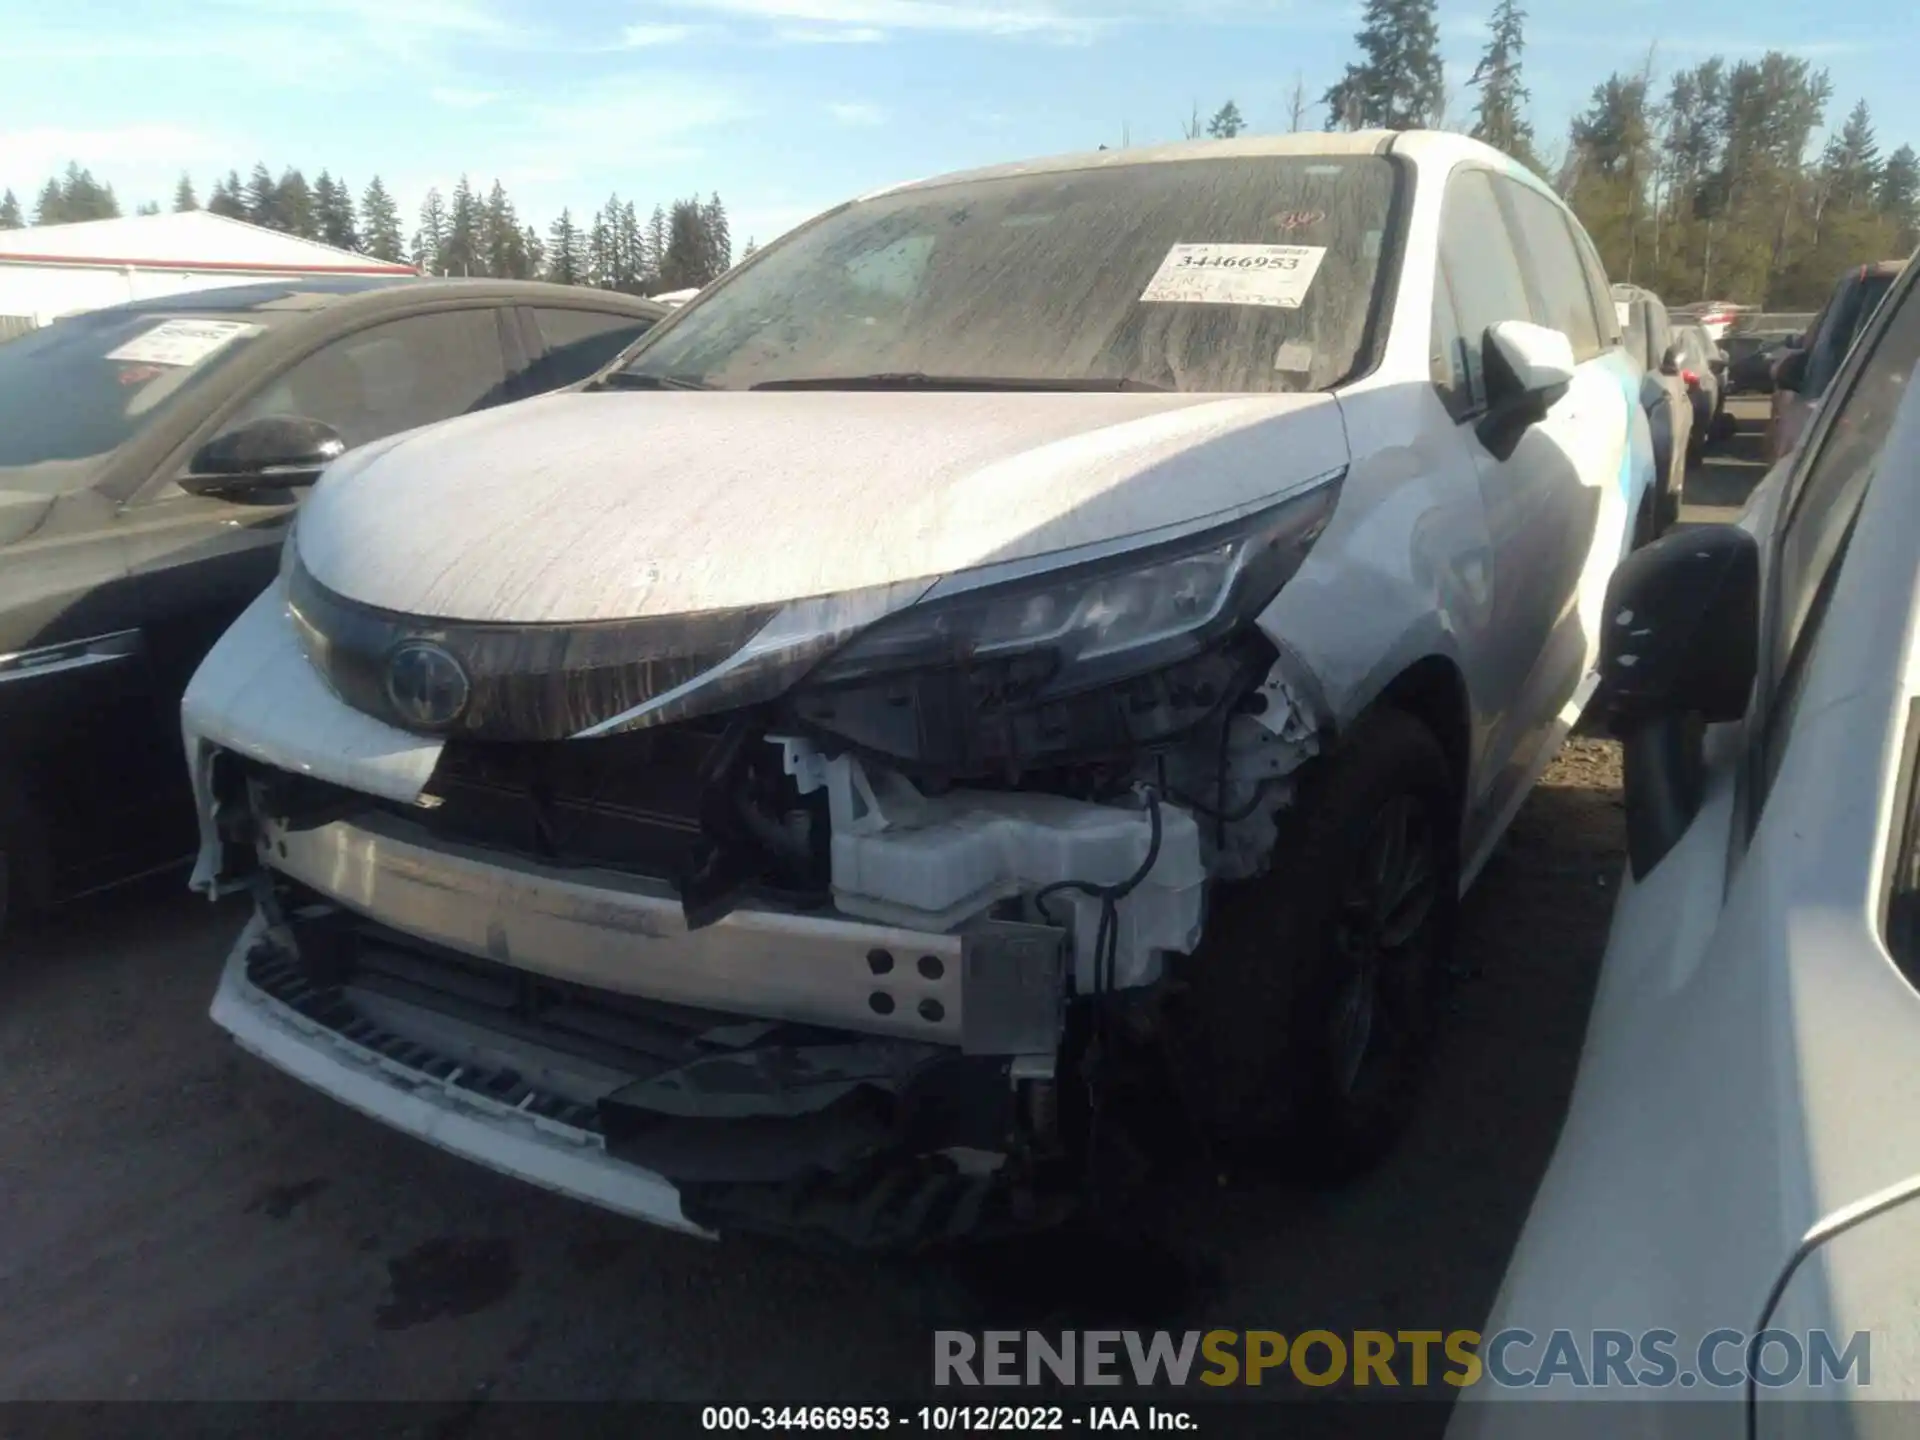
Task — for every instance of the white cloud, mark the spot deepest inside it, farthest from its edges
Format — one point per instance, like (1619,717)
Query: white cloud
(456,98)
(642,37)
(856,112)
(859,35)
(1037,18)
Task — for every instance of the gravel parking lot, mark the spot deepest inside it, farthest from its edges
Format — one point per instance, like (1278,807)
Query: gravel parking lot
(179,1221)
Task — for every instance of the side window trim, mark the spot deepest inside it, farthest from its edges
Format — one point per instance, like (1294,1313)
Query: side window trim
(1598,287)
(1462,400)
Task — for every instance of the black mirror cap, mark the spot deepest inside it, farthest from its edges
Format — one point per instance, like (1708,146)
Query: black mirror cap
(1790,370)
(1672,360)
(1681,634)
(282,449)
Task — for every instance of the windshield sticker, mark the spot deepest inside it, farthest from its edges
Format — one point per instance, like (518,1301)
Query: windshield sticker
(1296,219)
(1294,357)
(1271,275)
(1621,309)
(181,342)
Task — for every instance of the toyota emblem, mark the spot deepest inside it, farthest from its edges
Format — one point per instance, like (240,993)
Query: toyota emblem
(426,686)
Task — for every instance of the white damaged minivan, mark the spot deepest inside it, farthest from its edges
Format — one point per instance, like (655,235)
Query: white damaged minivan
(1024,637)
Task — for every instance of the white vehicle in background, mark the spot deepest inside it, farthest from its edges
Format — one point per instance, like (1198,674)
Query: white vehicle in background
(1742,1153)
(1022,635)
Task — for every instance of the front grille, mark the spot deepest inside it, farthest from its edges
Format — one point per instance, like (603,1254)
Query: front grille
(528,682)
(628,802)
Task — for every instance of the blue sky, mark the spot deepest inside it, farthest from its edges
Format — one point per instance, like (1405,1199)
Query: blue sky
(783,106)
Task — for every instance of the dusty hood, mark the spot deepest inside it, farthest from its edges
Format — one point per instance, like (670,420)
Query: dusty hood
(607,506)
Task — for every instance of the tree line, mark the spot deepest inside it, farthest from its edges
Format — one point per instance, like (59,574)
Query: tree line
(677,246)
(1699,183)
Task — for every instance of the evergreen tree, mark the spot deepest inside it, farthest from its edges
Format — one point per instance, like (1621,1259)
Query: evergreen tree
(430,240)
(656,250)
(534,250)
(1851,165)
(1226,122)
(1399,83)
(631,246)
(1501,114)
(228,197)
(505,243)
(565,264)
(10,216)
(1899,196)
(718,238)
(183,196)
(294,199)
(600,257)
(750,250)
(75,195)
(262,199)
(382,220)
(463,252)
(333,213)
(689,251)
(147,207)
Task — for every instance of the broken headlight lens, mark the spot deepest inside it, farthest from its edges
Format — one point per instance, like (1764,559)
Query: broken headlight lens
(1071,663)
(1085,625)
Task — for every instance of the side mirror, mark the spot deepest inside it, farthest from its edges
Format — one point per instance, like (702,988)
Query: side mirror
(1790,370)
(272,453)
(1672,361)
(1528,368)
(1679,652)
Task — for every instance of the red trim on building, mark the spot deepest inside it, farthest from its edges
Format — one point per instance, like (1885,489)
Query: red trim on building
(244,266)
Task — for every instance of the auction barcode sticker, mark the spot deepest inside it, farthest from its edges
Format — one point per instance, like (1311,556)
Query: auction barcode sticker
(1272,275)
(181,342)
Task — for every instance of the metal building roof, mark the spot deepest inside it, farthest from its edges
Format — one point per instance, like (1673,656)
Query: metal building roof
(186,240)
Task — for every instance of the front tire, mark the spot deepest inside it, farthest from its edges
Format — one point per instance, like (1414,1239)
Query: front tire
(1314,997)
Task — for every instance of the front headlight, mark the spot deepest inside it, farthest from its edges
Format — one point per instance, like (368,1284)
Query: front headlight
(1142,629)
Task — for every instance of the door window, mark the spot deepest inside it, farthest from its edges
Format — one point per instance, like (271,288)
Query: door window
(1561,299)
(1481,267)
(579,342)
(393,376)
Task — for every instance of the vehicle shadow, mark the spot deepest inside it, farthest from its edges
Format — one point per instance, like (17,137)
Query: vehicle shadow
(1423,1241)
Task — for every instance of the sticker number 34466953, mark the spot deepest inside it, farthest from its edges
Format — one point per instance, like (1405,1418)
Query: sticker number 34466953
(1271,275)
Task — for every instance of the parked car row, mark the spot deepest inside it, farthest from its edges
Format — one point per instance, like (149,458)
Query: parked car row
(150,457)
(1737,1159)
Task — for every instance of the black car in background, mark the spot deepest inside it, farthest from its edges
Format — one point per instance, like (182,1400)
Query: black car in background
(1750,358)
(150,456)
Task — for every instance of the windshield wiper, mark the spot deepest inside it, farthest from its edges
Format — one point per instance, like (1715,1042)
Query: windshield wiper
(919,380)
(639,380)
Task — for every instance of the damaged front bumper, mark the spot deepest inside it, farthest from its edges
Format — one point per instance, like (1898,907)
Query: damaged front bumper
(881,1071)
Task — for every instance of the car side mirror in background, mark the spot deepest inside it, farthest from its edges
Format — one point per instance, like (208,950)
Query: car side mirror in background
(1672,360)
(1679,651)
(260,457)
(1790,370)
(1527,367)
